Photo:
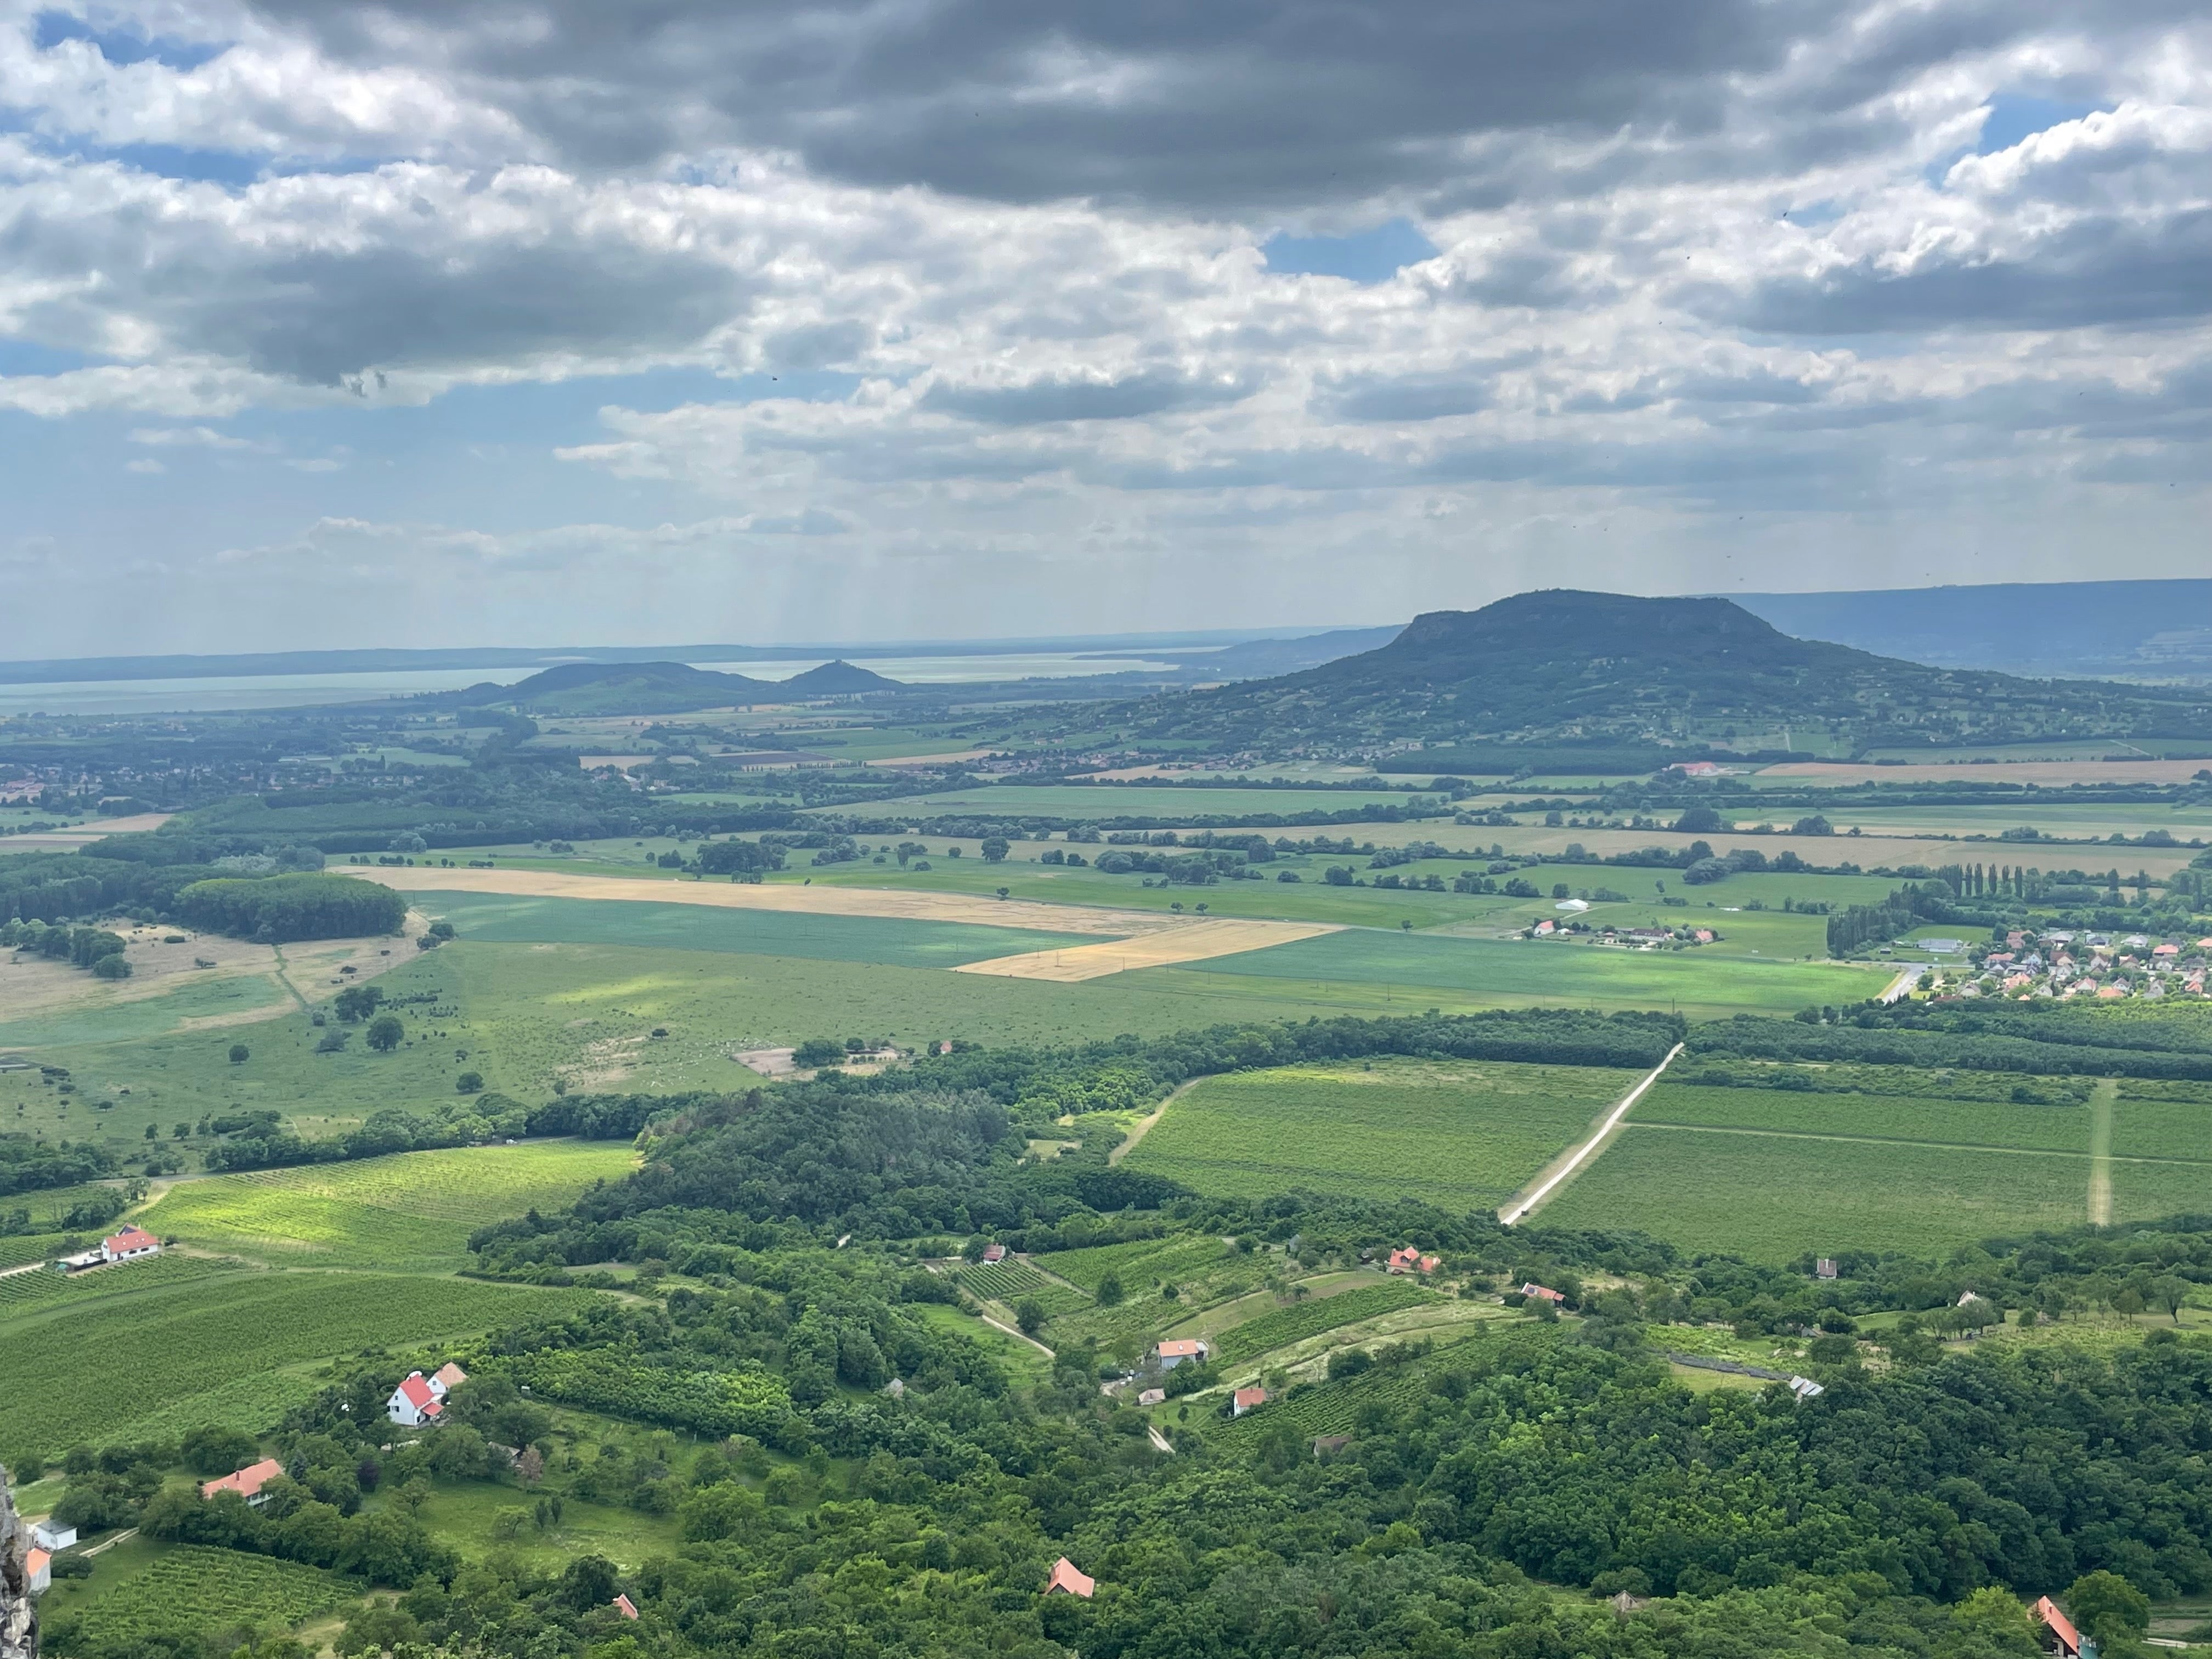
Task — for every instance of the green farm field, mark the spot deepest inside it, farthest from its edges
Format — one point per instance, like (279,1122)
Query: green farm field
(101,1017)
(1102,803)
(188,1346)
(1461,1136)
(2162,1129)
(1418,971)
(1773,1197)
(1875,1117)
(498,919)
(412,1211)
(1308,899)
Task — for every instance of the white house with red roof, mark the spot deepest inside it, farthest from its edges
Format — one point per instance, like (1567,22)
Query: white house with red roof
(2062,1627)
(415,1402)
(1409,1260)
(1245,1400)
(994,1252)
(1543,1292)
(1172,1354)
(247,1482)
(38,1570)
(129,1245)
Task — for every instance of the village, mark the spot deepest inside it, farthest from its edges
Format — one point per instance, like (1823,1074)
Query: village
(2064,964)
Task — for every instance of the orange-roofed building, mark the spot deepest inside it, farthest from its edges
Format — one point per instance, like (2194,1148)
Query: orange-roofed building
(1245,1400)
(247,1482)
(2070,1639)
(1172,1354)
(1068,1579)
(1543,1292)
(625,1606)
(447,1377)
(38,1570)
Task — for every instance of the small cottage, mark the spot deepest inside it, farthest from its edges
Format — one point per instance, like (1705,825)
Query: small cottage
(414,1402)
(1245,1400)
(247,1482)
(1068,1579)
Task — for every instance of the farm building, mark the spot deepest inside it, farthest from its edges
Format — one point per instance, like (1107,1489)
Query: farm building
(1824,1268)
(414,1402)
(247,1482)
(1245,1400)
(2062,1627)
(129,1245)
(1068,1579)
(1410,1260)
(1542,1292)
(1172,1354)
(51,1535)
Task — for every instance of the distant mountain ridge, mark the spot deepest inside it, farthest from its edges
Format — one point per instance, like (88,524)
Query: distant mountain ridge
(661,688)
(1563,665)
(2155,630)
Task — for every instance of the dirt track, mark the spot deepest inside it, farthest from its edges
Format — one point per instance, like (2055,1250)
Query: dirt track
(1193,942)
(896,903)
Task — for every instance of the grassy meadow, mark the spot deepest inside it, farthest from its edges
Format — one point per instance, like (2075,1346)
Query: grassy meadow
(1459,1135)
(412,1211)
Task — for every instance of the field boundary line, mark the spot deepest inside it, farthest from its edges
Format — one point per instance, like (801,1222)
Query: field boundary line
(1142,1127)
(1932,1146)
(1516,1213)
(2101,1099)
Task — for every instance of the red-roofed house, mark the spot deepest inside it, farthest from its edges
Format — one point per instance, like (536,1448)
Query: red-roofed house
(625,1606)
(995,1253)
(1545,1292)
(38,1570)
(1245,1400)
(247,1482)
(447,1377)
(129,1245)
(2070,1639)
(414,1402)
(1172,1354)
(1068,1579)
(1409,1260)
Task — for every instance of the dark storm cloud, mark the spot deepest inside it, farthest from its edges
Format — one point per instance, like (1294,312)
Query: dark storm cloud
(1233,103)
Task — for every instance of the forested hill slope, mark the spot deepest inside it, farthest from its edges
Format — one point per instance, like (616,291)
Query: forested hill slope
(1567,664)
(617,688)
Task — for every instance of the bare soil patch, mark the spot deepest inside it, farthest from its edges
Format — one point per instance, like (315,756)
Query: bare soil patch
(1194,941)
(68,841)
(896,903)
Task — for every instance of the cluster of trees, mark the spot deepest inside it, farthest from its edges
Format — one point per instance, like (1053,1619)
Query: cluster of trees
(28,1165)
(95,949)
(261,1144)
(278,909)
(2053,1038)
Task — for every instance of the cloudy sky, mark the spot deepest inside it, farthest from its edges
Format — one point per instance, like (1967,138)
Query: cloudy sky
(516,321)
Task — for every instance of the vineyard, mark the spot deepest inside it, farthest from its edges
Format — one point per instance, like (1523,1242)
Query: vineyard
(1335,1407)
(749,1402)
(1014,1281)
(30,1247)
(20,1293)
(1141,1265)
(1288,1325)
(189,1591)
(1460,1135)
(199,1337)
(410,1210)
(2061,1128)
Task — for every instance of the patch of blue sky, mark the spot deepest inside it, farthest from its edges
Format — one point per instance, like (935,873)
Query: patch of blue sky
(123,46)
(2014,116)
(30,358)
(1366,256)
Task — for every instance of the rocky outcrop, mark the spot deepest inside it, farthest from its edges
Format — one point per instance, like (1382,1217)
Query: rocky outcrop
(19,1613)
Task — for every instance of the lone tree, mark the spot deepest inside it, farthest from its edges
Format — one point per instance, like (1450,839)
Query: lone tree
(385,1032)
(239,1053)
